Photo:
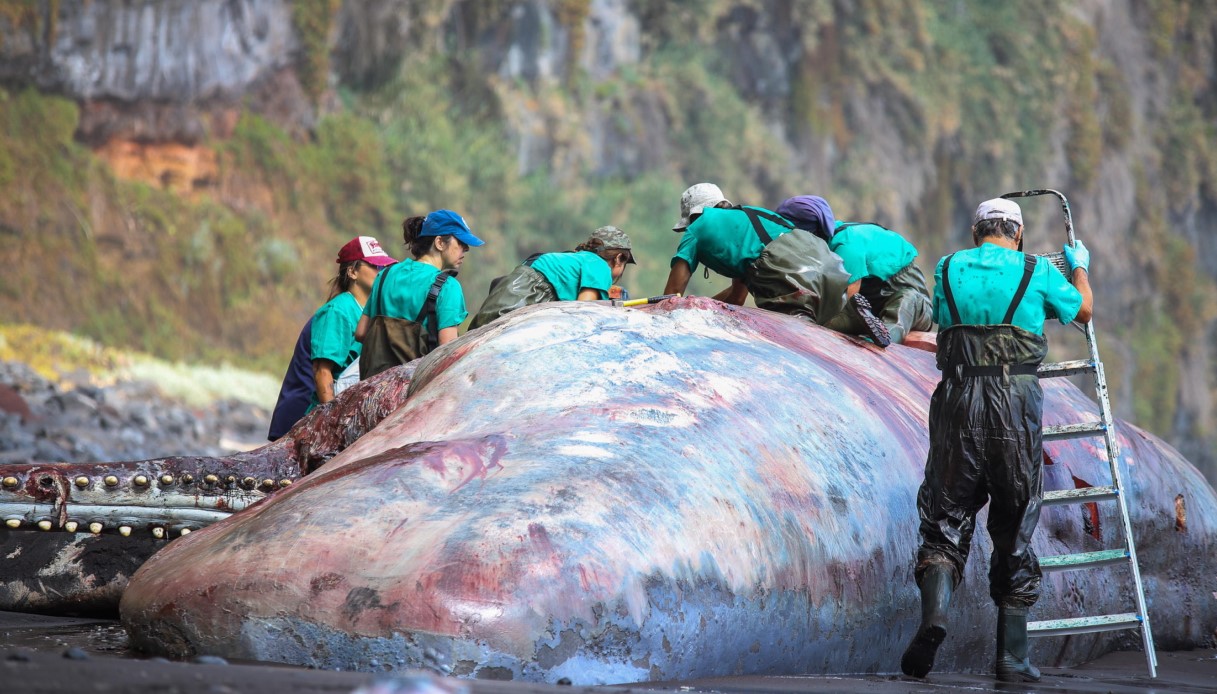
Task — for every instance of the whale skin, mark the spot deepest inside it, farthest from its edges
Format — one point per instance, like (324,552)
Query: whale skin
(609,495)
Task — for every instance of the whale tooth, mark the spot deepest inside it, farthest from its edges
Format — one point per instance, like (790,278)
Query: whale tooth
(268,483)
(111,481)
(185,531)
(168,479)
(158,533)
(124,530)
(13,523)
(187,478)
(285,483)
(82,481)
(210,479)
(96,528)
(71,526)
(231,479)
(141,480)
(44,525)
(249,483)
(11,482)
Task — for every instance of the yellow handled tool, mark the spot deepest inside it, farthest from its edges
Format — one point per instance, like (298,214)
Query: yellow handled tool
(649,300)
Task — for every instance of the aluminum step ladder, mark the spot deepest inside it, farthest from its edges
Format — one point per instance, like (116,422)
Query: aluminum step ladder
(1104,427)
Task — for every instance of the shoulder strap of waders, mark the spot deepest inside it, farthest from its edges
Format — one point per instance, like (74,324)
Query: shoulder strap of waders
(755,215)
(428,310)
(846,225)
(1029,261)
(946,290)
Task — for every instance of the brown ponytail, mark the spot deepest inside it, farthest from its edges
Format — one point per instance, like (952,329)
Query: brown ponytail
(343,281)
(411,227)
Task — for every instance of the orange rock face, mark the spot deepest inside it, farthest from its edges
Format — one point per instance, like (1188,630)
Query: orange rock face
(177,167)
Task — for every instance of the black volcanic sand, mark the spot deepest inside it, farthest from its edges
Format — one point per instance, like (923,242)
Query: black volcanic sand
(55,654)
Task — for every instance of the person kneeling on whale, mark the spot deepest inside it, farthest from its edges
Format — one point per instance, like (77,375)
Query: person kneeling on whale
(786,269)
(881,265)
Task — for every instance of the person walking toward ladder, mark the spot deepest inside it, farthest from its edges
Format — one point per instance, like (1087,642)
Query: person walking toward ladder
(990,303)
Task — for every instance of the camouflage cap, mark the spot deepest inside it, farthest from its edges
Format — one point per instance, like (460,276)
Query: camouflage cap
(614,238)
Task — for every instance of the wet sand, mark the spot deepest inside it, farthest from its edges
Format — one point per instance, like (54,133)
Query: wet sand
(54,654)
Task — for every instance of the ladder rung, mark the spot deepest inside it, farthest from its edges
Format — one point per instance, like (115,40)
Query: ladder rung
(1085,560)
(1085,495)
(1084,625)
(1073,431)
(1064,368)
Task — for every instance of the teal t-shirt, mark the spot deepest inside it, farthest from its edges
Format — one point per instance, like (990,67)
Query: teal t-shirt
(870,250)
(570,272)
(724,240)
(404,287)
(334,331)
(983,281)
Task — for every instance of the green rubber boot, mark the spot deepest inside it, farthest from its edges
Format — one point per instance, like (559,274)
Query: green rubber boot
(936,587)
(1012,662)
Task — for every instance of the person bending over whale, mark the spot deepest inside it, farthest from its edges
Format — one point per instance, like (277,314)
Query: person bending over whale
(586,274)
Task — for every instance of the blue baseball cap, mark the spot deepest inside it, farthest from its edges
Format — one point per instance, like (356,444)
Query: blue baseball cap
(447,222)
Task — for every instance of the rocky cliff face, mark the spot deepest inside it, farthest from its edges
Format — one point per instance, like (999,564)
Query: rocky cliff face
(907,115)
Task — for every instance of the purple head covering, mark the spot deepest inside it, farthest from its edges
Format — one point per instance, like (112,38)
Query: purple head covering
(809,212)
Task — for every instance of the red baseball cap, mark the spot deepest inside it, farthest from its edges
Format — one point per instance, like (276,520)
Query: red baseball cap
(365,248)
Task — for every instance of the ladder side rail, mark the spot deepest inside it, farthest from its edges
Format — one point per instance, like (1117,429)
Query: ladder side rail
(1117,480)
(1109,438)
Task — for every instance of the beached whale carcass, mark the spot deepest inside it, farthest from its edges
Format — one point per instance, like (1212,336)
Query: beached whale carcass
(613,495)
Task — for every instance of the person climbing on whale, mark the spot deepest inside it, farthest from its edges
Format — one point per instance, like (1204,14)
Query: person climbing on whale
(785,269)
(881,265)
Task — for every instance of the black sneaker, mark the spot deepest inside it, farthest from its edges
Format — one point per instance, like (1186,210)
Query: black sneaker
(875,329)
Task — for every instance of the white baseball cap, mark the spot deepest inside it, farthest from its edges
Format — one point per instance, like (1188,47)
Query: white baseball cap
(999,208)
(695,199)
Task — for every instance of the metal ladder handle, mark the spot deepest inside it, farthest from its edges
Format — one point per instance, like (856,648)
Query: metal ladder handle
(1060,196)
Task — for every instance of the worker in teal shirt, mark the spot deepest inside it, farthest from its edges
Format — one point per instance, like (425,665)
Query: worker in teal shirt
(586,274)
(786,269)
(881,266)
(986,418)
(333,346)
(438,243)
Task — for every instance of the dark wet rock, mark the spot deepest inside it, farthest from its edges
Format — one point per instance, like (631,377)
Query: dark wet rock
(78,421)
(208,660)
(18,656)
(75,653)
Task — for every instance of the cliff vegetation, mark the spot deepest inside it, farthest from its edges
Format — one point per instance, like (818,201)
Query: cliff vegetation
(541,120)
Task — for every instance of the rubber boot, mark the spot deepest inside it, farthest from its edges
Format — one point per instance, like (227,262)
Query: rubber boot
(936,587)
(875,328)
(1012,662)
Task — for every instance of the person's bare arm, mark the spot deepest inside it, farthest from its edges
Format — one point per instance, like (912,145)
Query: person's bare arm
(361,330)
(323,379)
(736,294)
(853,288)
(447,335)
(588,295)
(1081,281)
(678,278)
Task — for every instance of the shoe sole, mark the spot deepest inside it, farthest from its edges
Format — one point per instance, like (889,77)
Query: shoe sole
(875,329)
(918,659)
